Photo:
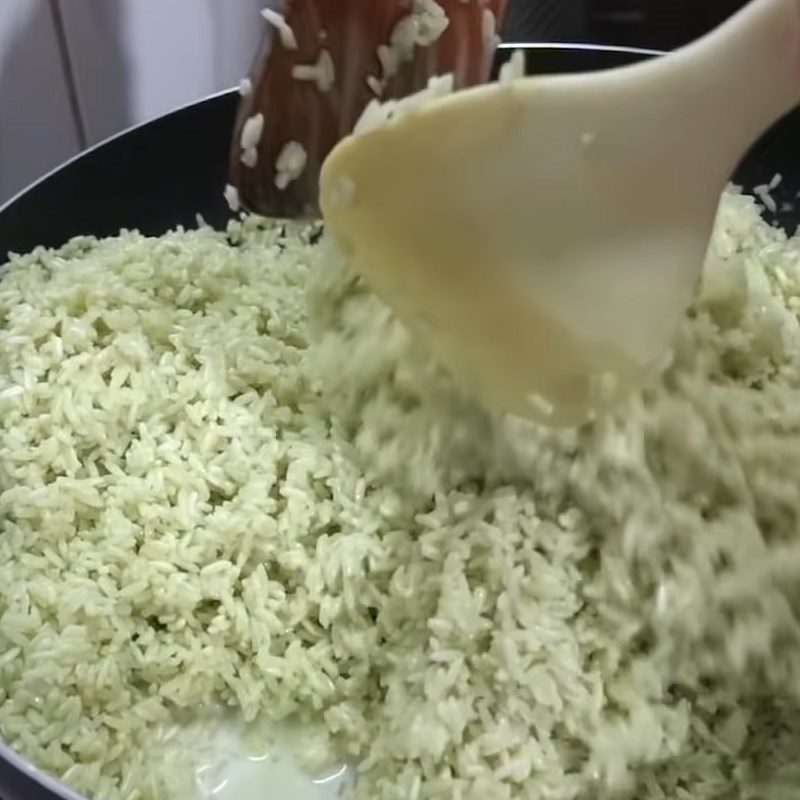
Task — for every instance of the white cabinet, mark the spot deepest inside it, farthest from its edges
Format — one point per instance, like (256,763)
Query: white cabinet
(136,59)
(37,128)
(131,60)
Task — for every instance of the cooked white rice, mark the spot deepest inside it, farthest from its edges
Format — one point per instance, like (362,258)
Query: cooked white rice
(422,27)
(514,68)
(290,164)
(322,72)
(252,131)
(231,195)
(284,30)
(200,509)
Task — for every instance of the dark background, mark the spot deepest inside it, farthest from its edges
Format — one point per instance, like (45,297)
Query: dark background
(659,24)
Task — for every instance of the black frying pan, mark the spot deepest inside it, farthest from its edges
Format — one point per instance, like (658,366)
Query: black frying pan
(165,172)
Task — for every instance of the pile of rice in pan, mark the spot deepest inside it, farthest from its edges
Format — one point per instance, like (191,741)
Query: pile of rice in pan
(230,480)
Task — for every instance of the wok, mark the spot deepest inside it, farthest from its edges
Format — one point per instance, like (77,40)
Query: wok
(164,173)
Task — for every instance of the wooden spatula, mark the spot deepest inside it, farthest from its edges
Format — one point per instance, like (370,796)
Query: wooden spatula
(547,235)
(324,62)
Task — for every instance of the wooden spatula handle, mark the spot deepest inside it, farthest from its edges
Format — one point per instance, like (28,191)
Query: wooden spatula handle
(733,84)
(347,34)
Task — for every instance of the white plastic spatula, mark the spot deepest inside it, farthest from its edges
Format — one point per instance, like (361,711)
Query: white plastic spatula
(546,235)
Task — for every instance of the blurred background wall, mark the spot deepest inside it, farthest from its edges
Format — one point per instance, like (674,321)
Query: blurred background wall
(73,72)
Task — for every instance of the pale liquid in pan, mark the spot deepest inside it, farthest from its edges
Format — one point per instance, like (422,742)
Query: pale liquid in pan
(228,770)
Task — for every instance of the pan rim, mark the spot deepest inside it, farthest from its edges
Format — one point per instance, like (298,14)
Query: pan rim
(108,140)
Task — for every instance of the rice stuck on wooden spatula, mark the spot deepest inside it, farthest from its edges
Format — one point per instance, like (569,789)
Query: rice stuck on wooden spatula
(322,63)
